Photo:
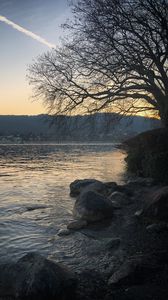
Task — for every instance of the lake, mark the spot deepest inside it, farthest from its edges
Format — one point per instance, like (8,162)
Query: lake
(34,195)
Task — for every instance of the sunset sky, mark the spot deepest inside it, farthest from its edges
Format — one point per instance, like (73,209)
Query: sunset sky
(27,29)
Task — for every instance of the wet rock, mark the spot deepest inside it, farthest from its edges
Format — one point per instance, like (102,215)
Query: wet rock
(64,232)
(78,185)
(91,206)
(37,278)
(79,224)
(157,205)
(119,199)
(35,206)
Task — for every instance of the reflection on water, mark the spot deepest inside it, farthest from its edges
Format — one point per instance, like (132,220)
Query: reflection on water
(34,193)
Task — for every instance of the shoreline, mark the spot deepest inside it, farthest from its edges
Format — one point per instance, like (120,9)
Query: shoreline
(119,251)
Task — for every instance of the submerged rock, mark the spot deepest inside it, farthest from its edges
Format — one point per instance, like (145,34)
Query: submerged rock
(77,186)
(91,206)
(64,232)
(35,277)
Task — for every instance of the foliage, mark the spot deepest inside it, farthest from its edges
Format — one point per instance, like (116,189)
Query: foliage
(149,158)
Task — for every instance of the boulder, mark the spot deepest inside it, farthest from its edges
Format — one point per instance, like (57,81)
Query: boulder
(98,187)
(92,206)
(35,277)
(119,199)
(77,186)
(157,205)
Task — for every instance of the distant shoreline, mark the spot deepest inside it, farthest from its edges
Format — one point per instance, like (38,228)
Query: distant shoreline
(61,143)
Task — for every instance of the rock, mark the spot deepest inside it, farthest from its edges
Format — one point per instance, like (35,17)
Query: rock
(119,199)
(37,278)
(141,181)
(91,286)
(78,185)
(157,227)
(111,187)
(64,231)
(75,225)
(125,273)
(136,269)
(98,187)
(157,205)
(138,213)
(146,291)
(91,206)
(113,243)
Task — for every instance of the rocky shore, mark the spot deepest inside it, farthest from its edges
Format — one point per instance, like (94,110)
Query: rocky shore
(126,227)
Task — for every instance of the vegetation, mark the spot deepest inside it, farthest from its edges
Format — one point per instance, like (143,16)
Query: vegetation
(116,58)
(148,155)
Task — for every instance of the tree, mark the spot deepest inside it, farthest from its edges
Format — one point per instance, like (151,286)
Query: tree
(116,58)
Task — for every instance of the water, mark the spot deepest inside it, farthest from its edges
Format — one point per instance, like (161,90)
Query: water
(34,195)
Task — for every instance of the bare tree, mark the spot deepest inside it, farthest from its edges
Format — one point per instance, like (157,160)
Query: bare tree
(115,59)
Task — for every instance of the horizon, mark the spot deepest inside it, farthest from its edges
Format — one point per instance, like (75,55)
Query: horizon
(77,115)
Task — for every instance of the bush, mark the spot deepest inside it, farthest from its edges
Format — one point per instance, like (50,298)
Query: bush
(149,159)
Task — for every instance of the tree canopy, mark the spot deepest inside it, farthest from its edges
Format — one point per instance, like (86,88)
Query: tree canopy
(116,58)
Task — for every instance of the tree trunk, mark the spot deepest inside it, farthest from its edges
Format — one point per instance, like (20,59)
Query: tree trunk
(163,113)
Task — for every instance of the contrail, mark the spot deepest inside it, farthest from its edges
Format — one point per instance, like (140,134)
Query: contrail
(27,32)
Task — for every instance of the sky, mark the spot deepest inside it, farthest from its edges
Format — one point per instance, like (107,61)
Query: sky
(28,28)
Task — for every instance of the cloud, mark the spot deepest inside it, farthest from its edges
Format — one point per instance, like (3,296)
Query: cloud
(26,32)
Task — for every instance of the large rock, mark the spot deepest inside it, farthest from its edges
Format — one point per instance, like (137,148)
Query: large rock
(35,277)
(92,206)
(77,186)
(157,205)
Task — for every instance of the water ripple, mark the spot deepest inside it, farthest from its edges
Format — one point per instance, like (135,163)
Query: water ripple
(34,195)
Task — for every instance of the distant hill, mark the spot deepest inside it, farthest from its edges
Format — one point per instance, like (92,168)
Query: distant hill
(97,127)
